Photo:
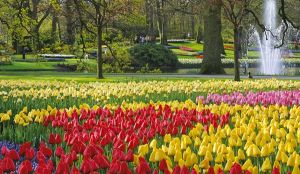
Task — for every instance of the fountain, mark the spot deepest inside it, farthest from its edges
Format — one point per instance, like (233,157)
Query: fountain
(271,62)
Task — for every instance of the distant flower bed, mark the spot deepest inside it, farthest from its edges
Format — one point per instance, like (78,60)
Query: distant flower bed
(198,61)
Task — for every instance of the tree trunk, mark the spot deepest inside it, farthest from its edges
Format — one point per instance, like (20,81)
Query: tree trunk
(70,34)
(150,20)
(54,28)
(237,53)
(199,34)
(221,45)
(99,55)
(212,33)
(59,30)
(192,26)
(36,39)
(162,22)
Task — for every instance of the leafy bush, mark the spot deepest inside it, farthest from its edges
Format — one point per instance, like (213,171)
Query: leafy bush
(5,60)
(117,58)
(156,56)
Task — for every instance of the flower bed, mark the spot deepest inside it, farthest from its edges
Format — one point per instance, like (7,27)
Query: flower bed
(234,127)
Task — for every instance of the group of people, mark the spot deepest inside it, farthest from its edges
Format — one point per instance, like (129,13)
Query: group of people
(144,39)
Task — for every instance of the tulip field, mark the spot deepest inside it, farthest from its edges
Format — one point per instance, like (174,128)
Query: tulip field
(145,127)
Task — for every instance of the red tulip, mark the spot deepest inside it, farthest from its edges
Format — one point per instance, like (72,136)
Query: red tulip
(74,156)
(194,171)
(25,167)
(143,167)
(211,170)
(102,161)
(12,154)
(50,165)
(176,170)
(236,169)
(124,168)
(29,154)
(163,165)
(247,172)
(4,150)
(114,167)
(57,139)
(62,167)
(90,152)
(75,171)
(78,147)
(155,171)
(276,170)
(59,151)
(47,152)
(8,165)
(40,157)
(51,139)
(88,166)
(220,171)
(42,168)
(184,170)
(129,157)
(24,147)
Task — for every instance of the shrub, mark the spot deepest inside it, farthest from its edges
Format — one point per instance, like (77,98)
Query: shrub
(156,56)
(117,58)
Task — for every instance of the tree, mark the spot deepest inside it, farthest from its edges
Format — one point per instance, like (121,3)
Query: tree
(235,12)
(98,14)
(32,14)
(69,15)
(212,38)
(162,21)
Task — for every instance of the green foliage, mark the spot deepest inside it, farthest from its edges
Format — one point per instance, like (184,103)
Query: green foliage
(156,56)
(146,69)
(117,58)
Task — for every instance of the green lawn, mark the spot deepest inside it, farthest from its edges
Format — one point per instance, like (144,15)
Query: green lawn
(26,66)
(90,77)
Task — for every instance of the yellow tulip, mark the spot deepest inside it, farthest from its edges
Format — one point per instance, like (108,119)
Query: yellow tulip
(178,155)
(159,155)
(266,165)
(219,158)
(143,150)
(276,164)
(208,156)
(248,164)
(241,154)
(265,151)
(181,163)
(291,161)
(153,144)
(167,138)
(204,164)
(4,117)
(202,150)
(196,168)
(228,165)
(255,170)
(296,170)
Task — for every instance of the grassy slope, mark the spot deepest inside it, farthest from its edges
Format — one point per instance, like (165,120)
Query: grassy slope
(90,77)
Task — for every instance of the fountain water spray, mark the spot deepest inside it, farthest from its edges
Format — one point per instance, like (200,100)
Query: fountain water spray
(271,62)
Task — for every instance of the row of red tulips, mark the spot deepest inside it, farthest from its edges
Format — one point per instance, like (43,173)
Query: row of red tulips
(95,140)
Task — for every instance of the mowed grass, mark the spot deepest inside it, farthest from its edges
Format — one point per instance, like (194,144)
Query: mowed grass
(91,77)
(41,66)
